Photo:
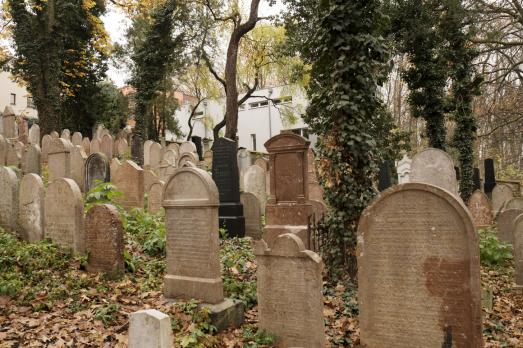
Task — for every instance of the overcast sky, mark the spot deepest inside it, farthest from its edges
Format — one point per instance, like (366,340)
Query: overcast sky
(116,24)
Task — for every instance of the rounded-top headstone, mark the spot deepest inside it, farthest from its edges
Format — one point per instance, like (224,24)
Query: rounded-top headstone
(190,186)
(31,208)
(96,169)
(77,139)
(501,194)
(434,167)
(187,146)
(515,203)
(518,249)
(59,145)
(480,209)
(66,134)
(506,220)
(8,198)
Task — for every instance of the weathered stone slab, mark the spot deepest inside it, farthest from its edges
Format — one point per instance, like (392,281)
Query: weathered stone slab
(150,329)
(318,209)
(149,178)
(191,205)
(187,157)
(175,147)
(8,198)
(170,157)
(31,208)
(34,135)
(434,167)
(436,303)
(14,153)
(289,288)
(154,199)
(480,210)
(515,203)
(165,170)
(54,135)
(188,147)
(58,159)
(96,170)
(114,166)
(46,144)
(254,181)
(86,144)
(78,158)
(129,180)
(244,159)
(77,139)
(506,220)
(252,213)
(31,159)
(9,123)
(501,194)
(155,155)
(64,215)
(207,159)
(137,151)
(107,145)
(518,249)
(96,146)
(104,240)
(66,134)
(147,153)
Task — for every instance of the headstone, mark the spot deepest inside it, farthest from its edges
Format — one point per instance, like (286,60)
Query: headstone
(107,146)
(480,210)
(436,303)
(78,158)
(150,329)
(254,182)
(3,150)
(289,289)
(518,250)
(77,139)
(154,200)
(149,178)
(147,152)
(155,155)
(384,176)
(191,205)
(34,134)
(263,163)
(170,157)
(122,148)
(46,144)
(104,240)
(23,130)
(226,176)
(175,147)
(66,134)
(9,123)
(86,144)
(318,209)
(501,194)
(64,215)
(8,198)
(490,176)
(187,157)
(129,181)
(434,167)
(506,224)
(114,167)
(515,203)
(207,159)
(477,179)
(54,135)
(98,130)
(31,208)
(31,159)
(59,160)
(165,170)
(137,149)
(14,153)
(288,204)
(252,212)
(188,146)
(96,146)
(244,159)
(96,170)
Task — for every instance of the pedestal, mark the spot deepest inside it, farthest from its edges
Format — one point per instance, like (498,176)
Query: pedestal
(231,218)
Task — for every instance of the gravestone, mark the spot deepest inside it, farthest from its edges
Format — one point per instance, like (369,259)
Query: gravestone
(289,289)
(46,144)
(506,224)
(252,212)
(154,200)
(288,204)
(318,209)
(175,147)
(122,148)
(137,149)
(96,146)
(262,163)
(129,180)
(31,208)
(191,205)
(490,176)
(155,155)
(149,178)
(3,150)
(31,159)
(226,176)
(104,240)
(437,302)
(114,166)
(96,170)
(54,135)
(66,134)
(23,130)
(147,153)
(9,123)
(58,159)
(78,158)
(188,147)
(254,182)
(77,139)
(384,176)
(518,250)
(480,210)
(150,328)
(165,170)
(187,157)
(170,157)
(34,134)
(8,198)
(515,203)
(476,179)
(107,146)
(64,214)
(86,144)
(14,153)
(501,194)
(434,167)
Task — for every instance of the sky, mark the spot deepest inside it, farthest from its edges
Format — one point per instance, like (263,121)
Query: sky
(116,25)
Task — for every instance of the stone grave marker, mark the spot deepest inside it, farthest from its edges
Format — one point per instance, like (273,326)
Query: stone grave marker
(188,147)
(263,163)
(59,159)
(518,250)
(254,182)
(122,148)
(501,194)
(154,200)
(86,144)
(34,134)
(46,144)
(78,158)
(31,159)
(64,215)
(107,146)
(318,209)
(490,176)
(96,146)
(289,289)
(66,134)
(434,167)
(54,135)
(252,212)
(187,157)
(147,152)
(149,178)
(207,159)
(170,157)
(436,303)
(165,170)
(129,180)
(137,149)
(96,170)
(515,203)
(244,159)
(150,328)
(114,166)
(8,198)
(175,147)
(9,123)
(31,208)
(104,240)
(480,210)
(77,139)
(506,224)
(155,155)
(3,150)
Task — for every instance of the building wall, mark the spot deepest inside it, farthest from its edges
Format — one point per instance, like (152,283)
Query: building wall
(8,87)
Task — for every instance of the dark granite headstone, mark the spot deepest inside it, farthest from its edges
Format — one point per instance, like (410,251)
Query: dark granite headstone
(199,148)
(490,176)
(477,179)
(137,149)
(458,176)
(96,169)
(226,176)
(384,178)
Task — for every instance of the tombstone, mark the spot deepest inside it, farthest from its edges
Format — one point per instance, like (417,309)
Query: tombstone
(58,159)
(34,134)
(155,155)
(78,158)
(147,152)
(318,209)
(515,203)
(107,146)
(77,139)
(252,212)
(86,144)
(244,159)
(96,146)
(175,147)
(150,329)
(104,240)
(384,176)
(187,157)
(23,130)
(66,134)
(518,250)
(480,210)
(54,135)
(114,167)
(137,149)
(199,147)
(98,130)
(289,289)
(149,178)
(254,182)
(434,167)
(165,170)
(31,159)
(96,170)
(437,302)
(64,214)
(501,194)
(506,224)
(288,204)
(226,176)
(3,150)
(129,180)
(170,157)
(8,198)
(122,148)
(190,200)
(263,163)
(14,153)
(46,144)
(207,159)
(154,200)
(9,123)
(31,208)
(188,147)
(490,176)
(477,179)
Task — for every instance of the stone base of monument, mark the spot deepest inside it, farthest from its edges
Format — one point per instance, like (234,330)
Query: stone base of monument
(193,287)
(227,314)
(271,232)
(232,219)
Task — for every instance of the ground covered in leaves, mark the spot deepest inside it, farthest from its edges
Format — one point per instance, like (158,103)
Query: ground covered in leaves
(48,300)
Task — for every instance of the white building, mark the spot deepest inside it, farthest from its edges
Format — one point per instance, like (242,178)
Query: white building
(265,114)
(15,95)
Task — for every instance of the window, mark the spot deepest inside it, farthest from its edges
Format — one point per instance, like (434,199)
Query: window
(304,132)
(30,103)
(253,140)
(198,113)
(13,99)
(259,104)
(283,100)
(242,107)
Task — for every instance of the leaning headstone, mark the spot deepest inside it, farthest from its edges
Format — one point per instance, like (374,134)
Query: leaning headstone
(104,240)
(96,170)
(154,200)
(515,203)
(501,194)
(3,150)
(31,208)
(252,212)
(188,146)
(64,215)
(58,159)
(434,167)
(34,134)
(78,158)
(506,224)
(9,123)
(8,198)
(150,329)
(66,134)
(114,167)
(289,288)
(106,146)
(518,250)
(46,144)
(137,149)
(129,180)
(54,135)
(31,159)
(490,176)
(480,210)
(437,303)
(254,182)
(77,139)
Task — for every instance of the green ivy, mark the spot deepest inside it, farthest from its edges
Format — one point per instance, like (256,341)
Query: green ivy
(493,252)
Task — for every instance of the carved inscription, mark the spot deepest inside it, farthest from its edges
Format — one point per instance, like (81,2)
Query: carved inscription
(288,173)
